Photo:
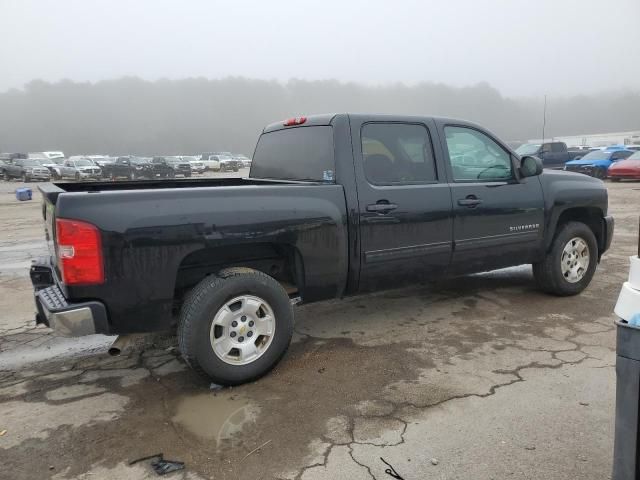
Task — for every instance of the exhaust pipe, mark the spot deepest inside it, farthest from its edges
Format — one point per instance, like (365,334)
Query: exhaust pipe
(123,342)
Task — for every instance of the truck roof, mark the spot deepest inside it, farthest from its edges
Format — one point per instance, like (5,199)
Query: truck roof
(327,119)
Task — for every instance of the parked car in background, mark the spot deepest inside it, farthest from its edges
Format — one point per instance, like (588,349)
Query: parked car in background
(552,154)
(197,166)
(52,163)
(53,154)
(80,168)
(243,161)
(628,168)
(210,162)
(170,167)
(227,163)
(10,157)
(596,163)
(130,168)
(27,170)
(3,163)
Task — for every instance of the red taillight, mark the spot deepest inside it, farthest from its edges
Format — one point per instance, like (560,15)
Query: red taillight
(295,121)
(79,252)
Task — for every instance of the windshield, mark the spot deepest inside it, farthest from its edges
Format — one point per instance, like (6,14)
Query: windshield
(83,163)
(528,149)
(597,155)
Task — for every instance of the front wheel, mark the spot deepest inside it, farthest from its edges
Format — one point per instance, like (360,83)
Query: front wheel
(569,266)
(236,326)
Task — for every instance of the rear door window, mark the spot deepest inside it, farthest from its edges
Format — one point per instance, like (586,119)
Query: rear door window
(397,153)
(300,153)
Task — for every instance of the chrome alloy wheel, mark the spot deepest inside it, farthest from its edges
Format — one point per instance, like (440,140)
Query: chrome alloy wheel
(242,330)
(575,260)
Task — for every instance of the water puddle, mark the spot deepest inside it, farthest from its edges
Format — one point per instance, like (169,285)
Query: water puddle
(220,417)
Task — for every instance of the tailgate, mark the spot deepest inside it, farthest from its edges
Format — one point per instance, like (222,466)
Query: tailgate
(50,194)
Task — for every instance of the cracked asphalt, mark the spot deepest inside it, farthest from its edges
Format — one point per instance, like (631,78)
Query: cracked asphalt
(479,377)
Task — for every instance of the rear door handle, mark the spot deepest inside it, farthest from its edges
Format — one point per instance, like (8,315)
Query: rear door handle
(381,207)
(471,201)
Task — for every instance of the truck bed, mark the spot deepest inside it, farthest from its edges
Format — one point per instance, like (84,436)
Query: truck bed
(159,237)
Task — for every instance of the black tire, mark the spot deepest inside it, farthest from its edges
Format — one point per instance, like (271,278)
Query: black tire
(206,299)
(548,272)
(172,174)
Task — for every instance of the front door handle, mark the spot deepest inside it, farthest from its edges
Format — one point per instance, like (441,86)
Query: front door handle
(471,201)
(381,207)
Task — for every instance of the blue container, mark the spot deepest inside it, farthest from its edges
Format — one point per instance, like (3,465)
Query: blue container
(23,194)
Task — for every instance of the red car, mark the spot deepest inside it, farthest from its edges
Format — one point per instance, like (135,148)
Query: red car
(628,168)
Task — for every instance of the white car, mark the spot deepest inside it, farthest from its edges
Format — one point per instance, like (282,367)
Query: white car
(211,162)
(197,166)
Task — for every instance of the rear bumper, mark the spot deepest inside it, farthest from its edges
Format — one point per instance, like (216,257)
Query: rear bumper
(53,309)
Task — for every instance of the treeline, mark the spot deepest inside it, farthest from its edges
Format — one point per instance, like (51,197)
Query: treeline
(130,115)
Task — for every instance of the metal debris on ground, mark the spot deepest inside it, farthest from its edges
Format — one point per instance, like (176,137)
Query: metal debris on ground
(391,471)
(160,465)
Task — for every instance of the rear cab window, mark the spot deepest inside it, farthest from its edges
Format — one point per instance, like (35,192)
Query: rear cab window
(304,153)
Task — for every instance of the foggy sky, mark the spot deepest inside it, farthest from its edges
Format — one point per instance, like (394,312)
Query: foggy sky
(523,48)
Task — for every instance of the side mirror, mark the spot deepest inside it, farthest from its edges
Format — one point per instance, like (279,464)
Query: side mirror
(530,166)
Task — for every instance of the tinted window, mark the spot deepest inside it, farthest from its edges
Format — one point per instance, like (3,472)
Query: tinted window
(620,155)
(301,153)
(557,147)
(395,153)
(476,157)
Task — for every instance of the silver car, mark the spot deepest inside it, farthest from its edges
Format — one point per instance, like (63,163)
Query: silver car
(80,168)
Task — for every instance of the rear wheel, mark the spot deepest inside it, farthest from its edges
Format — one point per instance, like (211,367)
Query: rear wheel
(569,266)
(236,326)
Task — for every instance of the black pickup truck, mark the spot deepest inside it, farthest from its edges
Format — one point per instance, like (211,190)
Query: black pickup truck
(335,205)
(130,168)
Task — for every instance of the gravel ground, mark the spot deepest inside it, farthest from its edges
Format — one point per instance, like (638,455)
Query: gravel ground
(481,377)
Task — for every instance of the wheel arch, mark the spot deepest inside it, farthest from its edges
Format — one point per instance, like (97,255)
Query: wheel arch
(593,217)
(283,262)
